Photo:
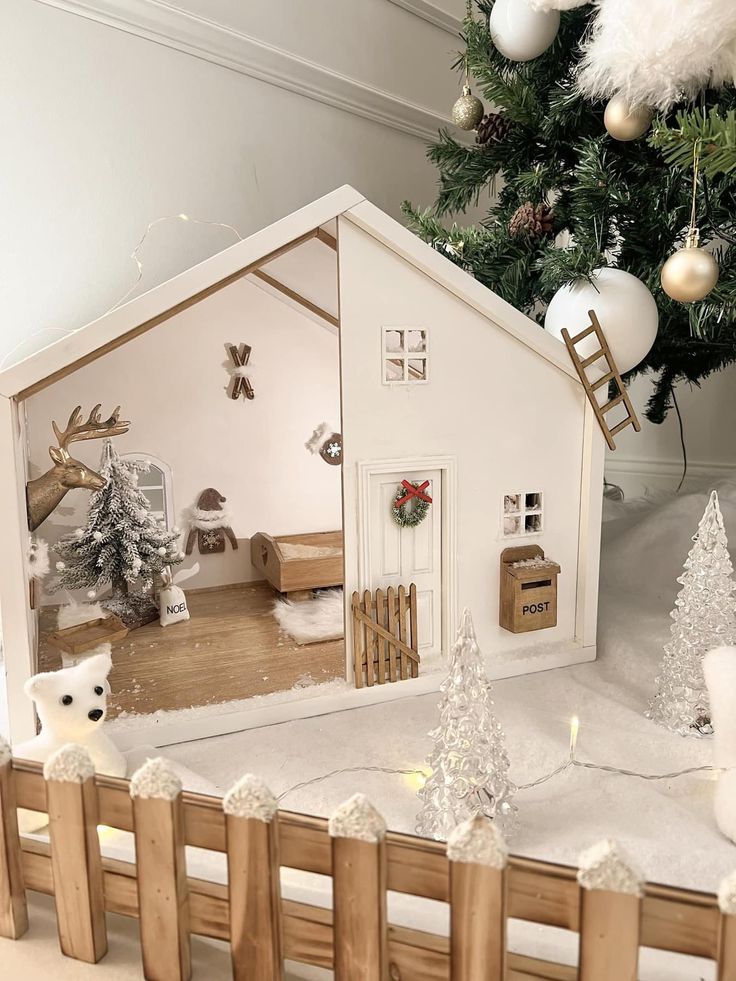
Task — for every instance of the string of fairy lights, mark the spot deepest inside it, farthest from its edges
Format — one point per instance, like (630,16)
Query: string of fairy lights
(135,255)
(569,763)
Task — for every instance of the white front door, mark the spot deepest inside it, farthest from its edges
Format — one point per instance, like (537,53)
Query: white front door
(400,556)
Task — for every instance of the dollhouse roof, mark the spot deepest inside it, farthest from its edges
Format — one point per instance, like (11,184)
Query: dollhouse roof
(294,259)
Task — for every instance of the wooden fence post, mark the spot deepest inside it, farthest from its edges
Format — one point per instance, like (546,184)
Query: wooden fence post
(359,891)
(610,913)
(726,958)
(477,854)
(254,888)
(163,897)
(13,909)
(71,799)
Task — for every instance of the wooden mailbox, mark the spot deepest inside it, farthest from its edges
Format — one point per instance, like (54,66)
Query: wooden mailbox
(528,589)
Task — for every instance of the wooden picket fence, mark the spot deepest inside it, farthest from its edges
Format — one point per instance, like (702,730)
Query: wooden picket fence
(353,938)
(385,636)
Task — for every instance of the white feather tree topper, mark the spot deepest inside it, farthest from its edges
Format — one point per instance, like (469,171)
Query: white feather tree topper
(658,52)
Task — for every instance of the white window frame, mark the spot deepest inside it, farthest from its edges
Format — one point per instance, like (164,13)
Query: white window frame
(404,355)
(522,512)
(167,486)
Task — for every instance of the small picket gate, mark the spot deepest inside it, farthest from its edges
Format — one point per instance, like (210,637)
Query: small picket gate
(385,635)
(353,938)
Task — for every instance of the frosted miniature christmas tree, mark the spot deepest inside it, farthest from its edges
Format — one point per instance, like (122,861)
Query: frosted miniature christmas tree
(704,617)
(122,543)
(469,762)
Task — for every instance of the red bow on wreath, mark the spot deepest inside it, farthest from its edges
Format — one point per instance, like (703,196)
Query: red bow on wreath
(412,491)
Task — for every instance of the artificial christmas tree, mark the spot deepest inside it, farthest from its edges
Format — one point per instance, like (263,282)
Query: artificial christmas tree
(122,544)
(623,204)
(469,762)
(704,618)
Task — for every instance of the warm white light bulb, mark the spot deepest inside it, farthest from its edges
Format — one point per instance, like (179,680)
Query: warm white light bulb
(574,729)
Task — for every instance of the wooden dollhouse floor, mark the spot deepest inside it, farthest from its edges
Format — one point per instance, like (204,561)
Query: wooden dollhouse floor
(231,648)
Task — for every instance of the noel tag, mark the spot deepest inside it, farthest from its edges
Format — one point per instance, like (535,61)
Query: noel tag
(172,602)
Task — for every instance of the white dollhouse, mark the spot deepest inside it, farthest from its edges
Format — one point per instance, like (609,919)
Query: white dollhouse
(353,324)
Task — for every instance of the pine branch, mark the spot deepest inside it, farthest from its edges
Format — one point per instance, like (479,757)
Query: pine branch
(714,132)
(557,267)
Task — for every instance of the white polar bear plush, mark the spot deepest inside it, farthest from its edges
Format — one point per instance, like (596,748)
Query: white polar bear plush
(71,704)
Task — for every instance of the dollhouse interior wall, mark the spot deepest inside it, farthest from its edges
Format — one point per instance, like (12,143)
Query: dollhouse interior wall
(172,383)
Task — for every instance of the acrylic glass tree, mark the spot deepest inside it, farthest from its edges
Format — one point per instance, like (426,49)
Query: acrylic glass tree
(704,617)
(469,762)
(121,544)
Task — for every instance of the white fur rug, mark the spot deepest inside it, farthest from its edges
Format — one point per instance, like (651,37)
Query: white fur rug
(310,621)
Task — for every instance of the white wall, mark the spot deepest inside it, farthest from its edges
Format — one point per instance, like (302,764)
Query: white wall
(234,115)
(651,460)
(172,384)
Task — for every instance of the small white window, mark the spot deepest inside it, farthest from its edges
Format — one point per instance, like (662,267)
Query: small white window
(404,356)
(523,513)
(155,482)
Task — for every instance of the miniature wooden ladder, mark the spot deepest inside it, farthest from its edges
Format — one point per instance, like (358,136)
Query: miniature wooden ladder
(611,375)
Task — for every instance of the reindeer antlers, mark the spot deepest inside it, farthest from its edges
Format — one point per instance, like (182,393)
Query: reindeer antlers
(93,428)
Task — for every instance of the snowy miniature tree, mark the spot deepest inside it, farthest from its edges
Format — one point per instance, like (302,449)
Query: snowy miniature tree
(704,617)
(469,762)
(122,543)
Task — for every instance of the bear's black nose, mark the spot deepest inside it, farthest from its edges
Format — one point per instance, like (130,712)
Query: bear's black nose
(95,715)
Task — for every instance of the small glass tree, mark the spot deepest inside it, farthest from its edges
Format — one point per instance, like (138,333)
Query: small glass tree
(704,617)
(469,762)
(122,543)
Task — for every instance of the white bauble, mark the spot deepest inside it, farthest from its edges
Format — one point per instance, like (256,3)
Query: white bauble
(521,33)
(625,308)
(556,4)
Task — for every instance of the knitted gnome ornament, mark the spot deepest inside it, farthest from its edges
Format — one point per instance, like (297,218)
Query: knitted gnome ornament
(210,524)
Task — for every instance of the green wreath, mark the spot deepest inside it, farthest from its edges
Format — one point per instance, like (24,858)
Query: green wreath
(410,513)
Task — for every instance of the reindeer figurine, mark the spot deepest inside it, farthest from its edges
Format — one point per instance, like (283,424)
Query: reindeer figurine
(44,493)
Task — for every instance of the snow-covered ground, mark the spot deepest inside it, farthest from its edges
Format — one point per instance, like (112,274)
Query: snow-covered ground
(666,826)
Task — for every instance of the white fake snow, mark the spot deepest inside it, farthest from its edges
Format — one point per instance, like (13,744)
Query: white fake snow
(155,779)
(727,894)
(603,866)
(478,841)
(70,764)
(250,798)
(357,818)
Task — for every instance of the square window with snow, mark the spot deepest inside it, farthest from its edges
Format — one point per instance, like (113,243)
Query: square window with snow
(522,514)
(404,355)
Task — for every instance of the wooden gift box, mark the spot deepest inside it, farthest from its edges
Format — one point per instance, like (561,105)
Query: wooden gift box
(528,591)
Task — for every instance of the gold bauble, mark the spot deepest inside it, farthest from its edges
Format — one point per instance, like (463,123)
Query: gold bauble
(467,111)
(690,273)
(625,122)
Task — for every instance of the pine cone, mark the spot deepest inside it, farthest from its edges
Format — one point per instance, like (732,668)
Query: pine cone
(494,126)
(533,220)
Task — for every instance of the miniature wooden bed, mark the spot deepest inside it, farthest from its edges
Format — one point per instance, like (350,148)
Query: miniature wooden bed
(296,564)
